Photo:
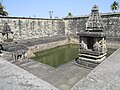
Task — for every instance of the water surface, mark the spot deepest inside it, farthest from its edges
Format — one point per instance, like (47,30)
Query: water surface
(57,56)
(60,55)
(110,51)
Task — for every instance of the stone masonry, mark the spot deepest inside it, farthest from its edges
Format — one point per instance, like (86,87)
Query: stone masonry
(92,41)
(28,28)
(111,22)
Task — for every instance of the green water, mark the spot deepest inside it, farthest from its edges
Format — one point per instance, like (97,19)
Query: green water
(60,55)
(57,56)
(110,51)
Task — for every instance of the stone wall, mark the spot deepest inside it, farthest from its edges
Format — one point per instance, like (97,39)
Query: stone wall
(29,28)
(41,44)
(111,22)
(45,46)
(112,25)
(75,24)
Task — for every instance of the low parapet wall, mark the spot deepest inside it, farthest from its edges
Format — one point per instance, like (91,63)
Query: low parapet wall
(15,78)
(40,44)
(106,76)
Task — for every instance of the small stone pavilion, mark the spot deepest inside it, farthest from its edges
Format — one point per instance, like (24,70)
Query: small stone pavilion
(93,41)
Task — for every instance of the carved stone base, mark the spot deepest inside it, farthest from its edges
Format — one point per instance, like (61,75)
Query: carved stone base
(90,60)
(86,63)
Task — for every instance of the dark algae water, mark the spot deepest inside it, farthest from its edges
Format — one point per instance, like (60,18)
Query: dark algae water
(57,56)
(110,51)
(60,55)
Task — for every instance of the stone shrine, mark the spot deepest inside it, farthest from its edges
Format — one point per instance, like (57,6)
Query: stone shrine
(6,31)
(93,41)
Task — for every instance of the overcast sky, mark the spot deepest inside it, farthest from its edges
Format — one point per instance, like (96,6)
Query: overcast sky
(60,8)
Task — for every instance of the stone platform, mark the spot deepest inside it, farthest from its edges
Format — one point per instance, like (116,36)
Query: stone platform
(64,77)
(105,76)
(15,78)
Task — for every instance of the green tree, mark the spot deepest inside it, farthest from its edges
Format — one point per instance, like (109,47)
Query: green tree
(114,6)
(2,12)
(69,14)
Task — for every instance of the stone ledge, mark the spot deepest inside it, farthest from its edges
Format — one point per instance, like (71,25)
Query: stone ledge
(37,18)
(43,40)
(105,76)
(15,78)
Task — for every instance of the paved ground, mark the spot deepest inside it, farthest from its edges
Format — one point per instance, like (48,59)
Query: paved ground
(15,78)
(105,76)
(64,77)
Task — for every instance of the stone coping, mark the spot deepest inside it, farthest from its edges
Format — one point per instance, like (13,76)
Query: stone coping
(44,40)
(15,78)
(37,41)
(105,76)
(90,52)
(64,18)
(92,34)
(116,14)
(12,17)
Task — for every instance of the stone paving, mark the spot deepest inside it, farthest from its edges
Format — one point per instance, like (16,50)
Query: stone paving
(64,77)
(15,78)
(105,76)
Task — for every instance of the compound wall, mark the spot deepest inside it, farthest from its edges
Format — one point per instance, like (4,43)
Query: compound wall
(28,28)
(111,22)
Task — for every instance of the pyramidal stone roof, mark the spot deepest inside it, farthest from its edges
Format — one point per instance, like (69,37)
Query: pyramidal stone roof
(94,23)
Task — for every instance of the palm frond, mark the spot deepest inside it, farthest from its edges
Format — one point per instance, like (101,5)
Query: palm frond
(114,6)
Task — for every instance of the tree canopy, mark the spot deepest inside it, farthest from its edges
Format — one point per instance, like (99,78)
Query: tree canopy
(69,14)
(2,12)
(114,6)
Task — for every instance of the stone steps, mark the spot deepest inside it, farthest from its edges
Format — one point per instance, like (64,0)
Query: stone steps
(64,77)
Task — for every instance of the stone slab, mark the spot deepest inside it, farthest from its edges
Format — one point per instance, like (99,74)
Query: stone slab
(58,77)
(15,78)
(92,34)
(106,76)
